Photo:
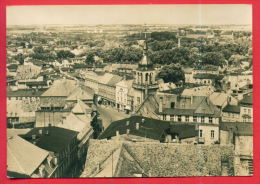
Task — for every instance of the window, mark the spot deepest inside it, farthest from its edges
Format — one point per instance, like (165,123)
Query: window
(201,133)
(164,117)
(202,119)
(210,119)
(249,111)
(244,111)
(187,118)
(172,117)
(194,118)
(172,105)
(212,134)
(179,117)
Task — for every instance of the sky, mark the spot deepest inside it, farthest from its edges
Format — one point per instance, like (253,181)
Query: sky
(130,14)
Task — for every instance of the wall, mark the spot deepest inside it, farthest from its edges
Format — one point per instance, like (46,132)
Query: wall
(207,133)
(44,118)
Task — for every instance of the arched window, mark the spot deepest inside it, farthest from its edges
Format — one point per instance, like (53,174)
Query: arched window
(146,77)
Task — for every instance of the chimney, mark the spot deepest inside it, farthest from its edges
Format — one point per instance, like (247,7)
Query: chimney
(117,133)
(127,123)
(143,120)
(40,131)
(41,170)
(127,131)
(49,158)
(137,126)
(230,136)
(33,137)
(160,105)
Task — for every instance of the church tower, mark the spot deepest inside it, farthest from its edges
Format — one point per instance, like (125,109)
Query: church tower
(144,83)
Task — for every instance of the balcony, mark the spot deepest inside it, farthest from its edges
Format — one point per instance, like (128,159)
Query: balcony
(144,86)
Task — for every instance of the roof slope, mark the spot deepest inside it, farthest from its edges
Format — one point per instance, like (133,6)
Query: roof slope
(23,157)
(150,128)
(55,140)
(156,159)
(81,108)
(81,92)
(61,88)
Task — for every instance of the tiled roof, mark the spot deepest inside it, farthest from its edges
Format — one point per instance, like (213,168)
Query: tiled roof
(72,122)
(55,140)
(23,157)
(82,93)
(193,106)
(155,159)
(61,88)
(239,128)
(219,99)
(81,108)
(231,109)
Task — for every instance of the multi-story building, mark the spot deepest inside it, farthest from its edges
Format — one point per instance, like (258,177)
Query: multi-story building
(62,145)
(124,98)
(194,109)
(144,82)
(246,108)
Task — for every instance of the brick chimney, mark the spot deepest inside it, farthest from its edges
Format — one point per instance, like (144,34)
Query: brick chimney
(127,123)
(127,131)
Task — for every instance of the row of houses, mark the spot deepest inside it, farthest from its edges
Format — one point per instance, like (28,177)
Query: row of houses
(63,126)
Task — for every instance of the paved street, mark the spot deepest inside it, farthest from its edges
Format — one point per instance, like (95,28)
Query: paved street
(109,115)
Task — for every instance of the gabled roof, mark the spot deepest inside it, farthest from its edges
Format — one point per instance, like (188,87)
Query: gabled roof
(80,108)
(154,159)
(23,157)
(192,106)
(61,88)
(82,93)
(52,139)
(73,122)
(220,99)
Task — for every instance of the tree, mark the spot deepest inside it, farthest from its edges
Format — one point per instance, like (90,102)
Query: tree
(19,57)
(64,54)
(172,73)
(213,58)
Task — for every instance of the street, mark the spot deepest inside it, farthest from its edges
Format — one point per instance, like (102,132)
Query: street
(109,115)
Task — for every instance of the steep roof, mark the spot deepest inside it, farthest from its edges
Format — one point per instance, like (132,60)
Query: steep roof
(192,106)
(81,92)
(23,157)
(62,87)
(155,159)
(80,108)
(72,122)
(219,99)
(52,139)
